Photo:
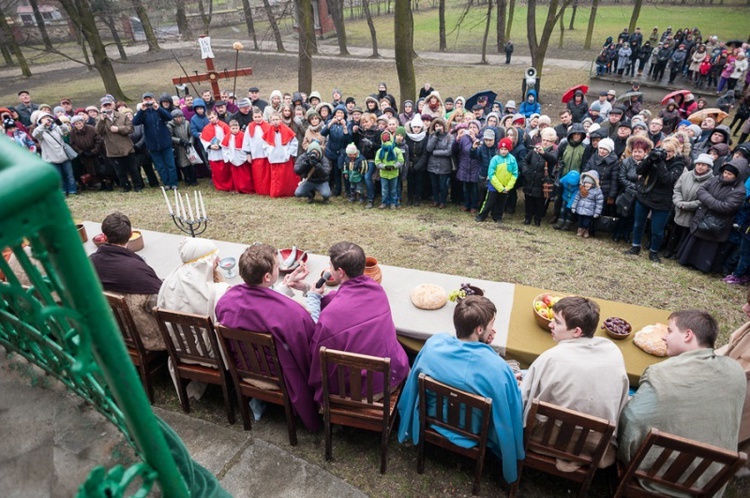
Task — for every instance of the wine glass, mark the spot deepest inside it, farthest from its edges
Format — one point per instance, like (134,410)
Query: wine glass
(228,265)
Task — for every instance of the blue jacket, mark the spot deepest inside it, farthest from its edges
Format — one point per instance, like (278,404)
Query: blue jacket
(337,139)
(198,122)
(529,108)
(155,129)
(569,184)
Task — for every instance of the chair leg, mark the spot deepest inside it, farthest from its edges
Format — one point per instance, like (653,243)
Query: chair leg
(420,455)
(227,402)
(291,423)
(329,443)
(146,379)
(183,394)
(384,452)
(244,411)
(477,476)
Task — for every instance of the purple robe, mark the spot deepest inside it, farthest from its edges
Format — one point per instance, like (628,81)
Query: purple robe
(260,309)
(357,319)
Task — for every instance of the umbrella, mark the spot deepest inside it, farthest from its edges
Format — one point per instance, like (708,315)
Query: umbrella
(734,43)
(673,95)
(472,101)
(626,96)
(568,95)
(698,117)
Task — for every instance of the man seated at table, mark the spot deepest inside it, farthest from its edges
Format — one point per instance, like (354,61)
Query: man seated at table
(257,307)
(123,272)
(695,394)
(582,372)
(356,318)
(469,363)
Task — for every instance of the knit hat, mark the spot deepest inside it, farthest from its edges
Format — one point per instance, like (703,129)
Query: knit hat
(79,110)
(312,113)
(314,148)
(9,123)
(607,143)
(401,131)
(488,135)
(417,121)
(684,122)
(58,109)
(505,143)
(448,100)
(728,166)
(350,100)
(544,119)
(519,118)
(587,179)
(534,115)
(595,106)
(427,118)
(177,114)
(695,129)
(641,125)
(351,150)
(705,159)
(244,103)
(624,124)
(75,119)
(357,109)
(511,104)
(92,108)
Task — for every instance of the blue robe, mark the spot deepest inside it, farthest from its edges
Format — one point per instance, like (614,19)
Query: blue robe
(476,368)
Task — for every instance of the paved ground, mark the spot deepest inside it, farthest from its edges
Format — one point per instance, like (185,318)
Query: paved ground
(51,440)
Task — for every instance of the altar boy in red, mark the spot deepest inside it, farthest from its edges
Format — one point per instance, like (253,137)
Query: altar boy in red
(281,147)
(254,145)
(211,136)
(236,158)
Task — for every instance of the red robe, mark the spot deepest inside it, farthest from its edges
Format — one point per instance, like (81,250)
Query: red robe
(221,174)
(281,147)
(236,158)
(261,171)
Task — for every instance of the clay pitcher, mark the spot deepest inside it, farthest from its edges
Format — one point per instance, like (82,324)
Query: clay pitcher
(372,269)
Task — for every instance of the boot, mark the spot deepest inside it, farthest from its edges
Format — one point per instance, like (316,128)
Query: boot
(585,233)
(579,233)
(634,250)
(527,221)
(567,226)
(560,223)
(554,220)
(653,256)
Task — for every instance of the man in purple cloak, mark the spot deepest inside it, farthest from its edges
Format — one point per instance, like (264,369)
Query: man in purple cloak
(356,318)
(256,307)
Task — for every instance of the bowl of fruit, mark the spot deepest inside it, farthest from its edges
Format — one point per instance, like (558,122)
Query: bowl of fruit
(542,308)
(464,291)
(617,328)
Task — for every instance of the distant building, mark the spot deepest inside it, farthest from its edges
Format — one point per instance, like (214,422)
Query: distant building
(50,14)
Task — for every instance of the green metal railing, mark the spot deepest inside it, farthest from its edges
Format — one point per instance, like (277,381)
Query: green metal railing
(53,313)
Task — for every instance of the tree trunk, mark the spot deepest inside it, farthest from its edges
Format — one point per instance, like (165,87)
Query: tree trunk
(371,25)
(634,16)
(40,24)
(140,10)
(337,15)
(441,23)
(110,22)
(573,15)
(10,40)
(306,40)
(509,26)
(249,22)
(81,16)
(562,29)
(206,18)
(490,4)
(538,47)
(590,29)
(403,30)
(81,40)
(182,23)
(502,6)
(274,26)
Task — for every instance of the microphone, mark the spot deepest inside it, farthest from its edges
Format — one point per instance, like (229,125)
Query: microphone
(322,280)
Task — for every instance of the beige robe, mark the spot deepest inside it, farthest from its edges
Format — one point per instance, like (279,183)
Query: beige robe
(739,349)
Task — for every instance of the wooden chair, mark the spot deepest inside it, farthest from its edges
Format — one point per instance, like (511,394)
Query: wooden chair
(194,350)
(257,373)
(678,456)
(146,362)
(565,436)
(456,415)
(373,412)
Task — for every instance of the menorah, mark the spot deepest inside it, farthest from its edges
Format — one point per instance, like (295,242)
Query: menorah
(183,219)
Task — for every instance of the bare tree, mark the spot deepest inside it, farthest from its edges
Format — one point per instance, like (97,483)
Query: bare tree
(490,4)
(403,30)
(502,6)
(590,28)
(10,41)
(274,26)
(104,10)
(538,47)
(371,26)
(635,15)
(306,44)
(336,8)
(183,26)
(249,22)
(153,43)
(441,25)
(206,16)
(41,26)
(562,29)
(82,18)
(573,15)
(511,11)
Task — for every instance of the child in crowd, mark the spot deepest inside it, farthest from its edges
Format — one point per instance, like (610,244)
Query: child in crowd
(179,129)
(389,160)
(502,174)
(18,136)
(236,159)
(400,138)
(569,189)
(588,202)
(211,136)
(484,153)
(367,138)
(355,167)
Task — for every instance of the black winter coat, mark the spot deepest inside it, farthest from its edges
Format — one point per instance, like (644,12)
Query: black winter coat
(722,199)
(657,179)
(608,169)
(417,154)
(307,161)
(533,171)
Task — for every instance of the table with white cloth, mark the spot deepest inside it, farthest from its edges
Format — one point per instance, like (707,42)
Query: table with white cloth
(517,334)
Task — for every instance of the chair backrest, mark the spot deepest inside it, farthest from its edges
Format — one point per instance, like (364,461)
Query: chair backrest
(189,337)
(252,357)
(350,368)
(566,433)
(125,322)
(680,463)
(455,410)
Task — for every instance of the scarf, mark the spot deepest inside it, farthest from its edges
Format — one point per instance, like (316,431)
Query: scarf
(416,137)
(386,152)
(583,190)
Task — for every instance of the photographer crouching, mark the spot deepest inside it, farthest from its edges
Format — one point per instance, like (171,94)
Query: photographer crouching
(314,168)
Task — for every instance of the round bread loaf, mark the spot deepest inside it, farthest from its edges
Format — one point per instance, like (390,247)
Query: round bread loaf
(651,339)
(429,297)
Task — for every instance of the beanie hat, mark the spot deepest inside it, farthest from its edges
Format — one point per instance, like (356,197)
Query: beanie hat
(177,114)
(401,131)
(58,109)
(244,103)
(641,125)
(351,149)
(596,106)
(92,108)
(449,100)
(534,115)
(79,110)
(488,135)
(544,119)
(75,119)
(705,159)
(607,143)
(695,129)
(684,122)
(9,123)
(417,121)
(350,100)
(511,104)
(587,179)
(506,143)
(728,166)
(426,117)
(519,118)
(314,148)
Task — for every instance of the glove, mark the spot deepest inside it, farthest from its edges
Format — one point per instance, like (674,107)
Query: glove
(596,216)
(184,142)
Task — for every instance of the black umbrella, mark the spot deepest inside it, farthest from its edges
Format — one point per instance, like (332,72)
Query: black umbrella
(625,96)
(734,43)
(472,101)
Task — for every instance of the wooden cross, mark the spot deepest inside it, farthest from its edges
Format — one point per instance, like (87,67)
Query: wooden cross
(211,75)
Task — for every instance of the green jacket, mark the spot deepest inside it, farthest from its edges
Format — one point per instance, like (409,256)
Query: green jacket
(389,167)
(503,172)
